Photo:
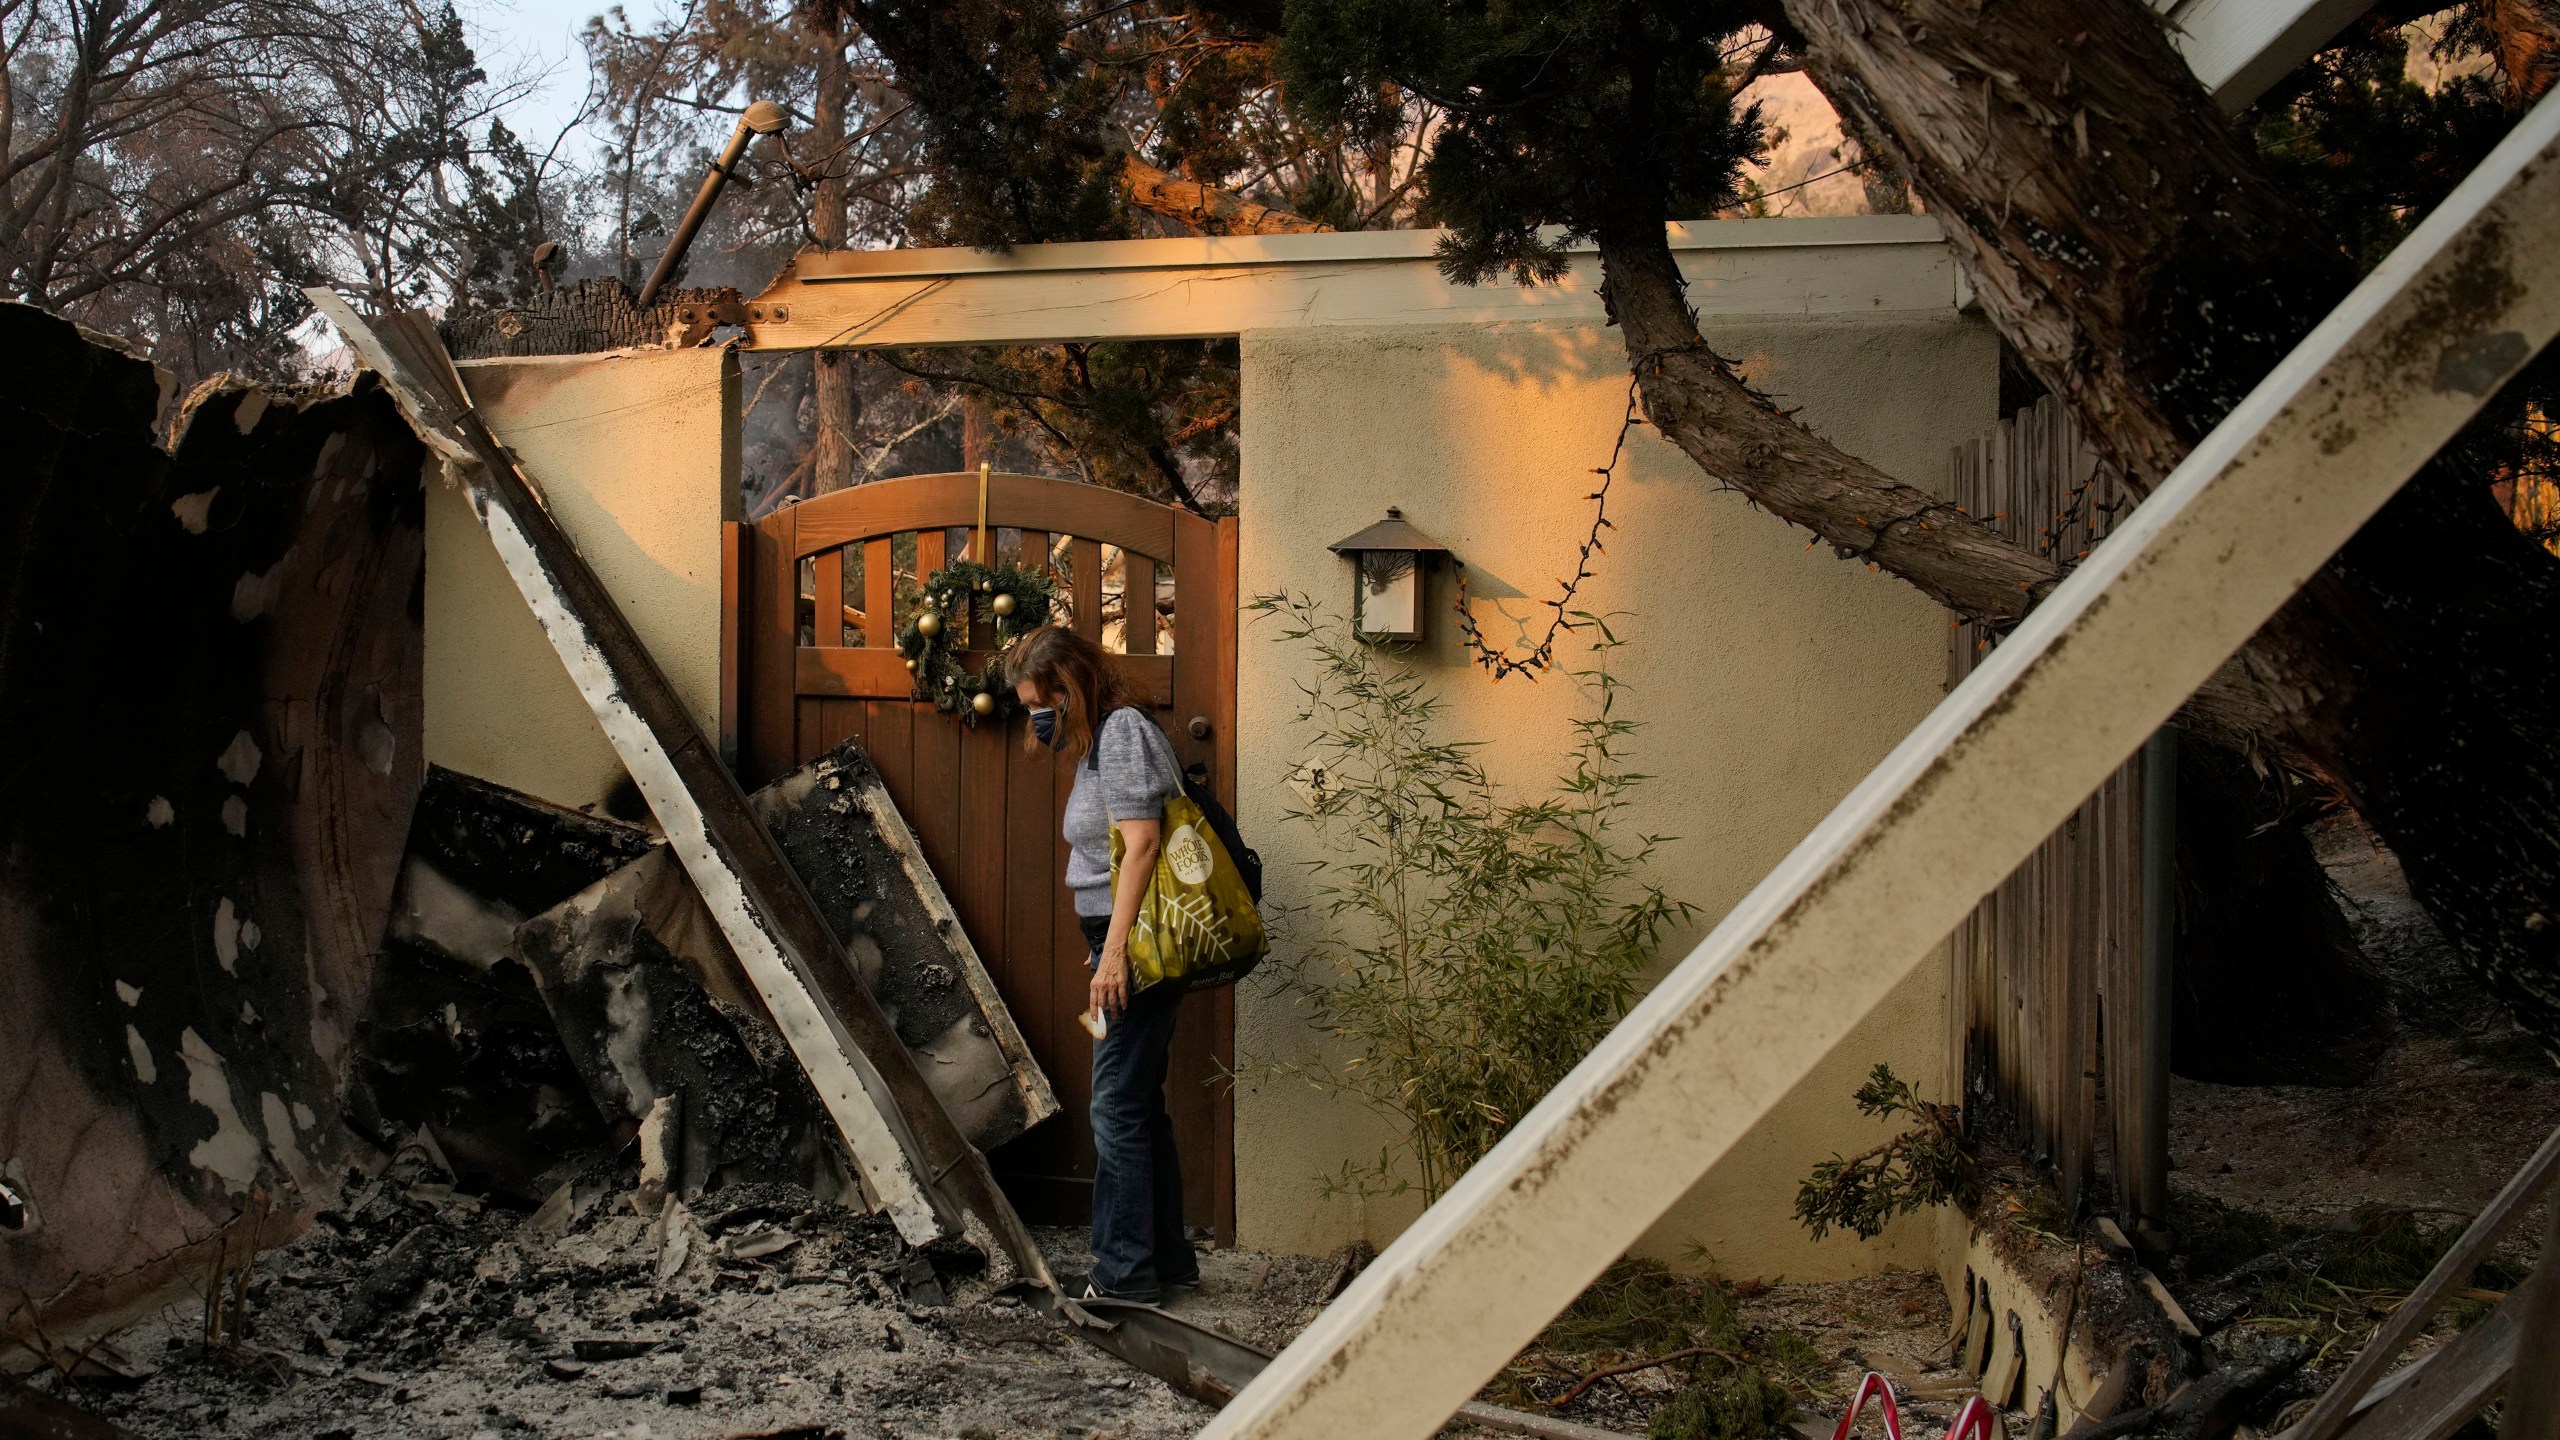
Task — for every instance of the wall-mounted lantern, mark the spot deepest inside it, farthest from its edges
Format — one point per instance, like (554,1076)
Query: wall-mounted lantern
(1388,562)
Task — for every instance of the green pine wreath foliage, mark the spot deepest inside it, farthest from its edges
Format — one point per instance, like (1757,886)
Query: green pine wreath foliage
(953,597)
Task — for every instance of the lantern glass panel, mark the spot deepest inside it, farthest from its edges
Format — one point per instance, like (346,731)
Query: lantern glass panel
(1390,594)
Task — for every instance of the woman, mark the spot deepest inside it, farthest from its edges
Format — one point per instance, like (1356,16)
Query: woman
(1125,771)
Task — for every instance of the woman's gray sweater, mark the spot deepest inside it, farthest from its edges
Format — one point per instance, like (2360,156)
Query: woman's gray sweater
(1129,776)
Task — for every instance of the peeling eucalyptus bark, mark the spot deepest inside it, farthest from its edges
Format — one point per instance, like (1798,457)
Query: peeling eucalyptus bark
(2119,235)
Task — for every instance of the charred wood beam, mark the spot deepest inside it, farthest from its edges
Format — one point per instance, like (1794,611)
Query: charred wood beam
(589,316)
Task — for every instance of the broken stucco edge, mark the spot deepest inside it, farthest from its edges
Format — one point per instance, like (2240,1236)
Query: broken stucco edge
(855,1095)
(1039,1101)
(856,1098)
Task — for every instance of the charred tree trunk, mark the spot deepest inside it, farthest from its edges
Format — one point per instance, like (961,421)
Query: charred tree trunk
(835,398)
(2119,235)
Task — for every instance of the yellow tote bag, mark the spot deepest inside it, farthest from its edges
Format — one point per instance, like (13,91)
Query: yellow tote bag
(1197,927)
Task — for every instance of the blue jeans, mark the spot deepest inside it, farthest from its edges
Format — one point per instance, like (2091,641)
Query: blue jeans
(1138,1244)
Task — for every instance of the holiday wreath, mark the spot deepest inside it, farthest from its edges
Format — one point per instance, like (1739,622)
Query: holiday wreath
(1014,598)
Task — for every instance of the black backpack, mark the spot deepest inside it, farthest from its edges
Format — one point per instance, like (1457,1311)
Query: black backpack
(1195,784)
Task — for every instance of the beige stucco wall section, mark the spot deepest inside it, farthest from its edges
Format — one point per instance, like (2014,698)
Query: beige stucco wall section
(636,452)
(1770,677)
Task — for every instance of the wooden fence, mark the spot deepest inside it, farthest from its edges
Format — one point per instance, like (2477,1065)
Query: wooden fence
(2057,995)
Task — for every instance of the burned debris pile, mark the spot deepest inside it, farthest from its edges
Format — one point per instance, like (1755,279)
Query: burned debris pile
(261,957)
(414,1308)
(457,1039)
(552,984)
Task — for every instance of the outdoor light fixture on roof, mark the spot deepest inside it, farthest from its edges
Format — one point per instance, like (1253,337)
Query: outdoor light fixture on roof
(1388,561)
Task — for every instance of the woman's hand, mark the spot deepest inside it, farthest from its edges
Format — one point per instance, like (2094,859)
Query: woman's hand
(1110,987)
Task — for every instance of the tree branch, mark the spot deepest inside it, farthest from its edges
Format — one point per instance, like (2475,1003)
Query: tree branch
(1205,208)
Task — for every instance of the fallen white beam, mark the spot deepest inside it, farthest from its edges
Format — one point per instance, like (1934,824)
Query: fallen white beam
(1227,285)
(2238,48)
(2257,509)
(855,1096)
(655,739)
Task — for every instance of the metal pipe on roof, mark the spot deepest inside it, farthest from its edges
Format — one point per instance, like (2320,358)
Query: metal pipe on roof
(762,118)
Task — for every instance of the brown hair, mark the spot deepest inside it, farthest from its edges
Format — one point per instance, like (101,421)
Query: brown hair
(1061,663)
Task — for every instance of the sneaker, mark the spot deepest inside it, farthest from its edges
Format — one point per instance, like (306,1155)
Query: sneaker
(1087,1290)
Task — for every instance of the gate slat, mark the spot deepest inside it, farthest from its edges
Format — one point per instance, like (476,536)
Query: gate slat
(1137,603)
(841,721)
(1073,1077)
(879,595)
(1033,955)
(982,835)
(1030,885)
(826,608)
(1085,557)
(771,657)
(891,725)
(935,814)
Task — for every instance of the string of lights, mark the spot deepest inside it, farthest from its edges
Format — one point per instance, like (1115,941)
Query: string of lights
(1500,661)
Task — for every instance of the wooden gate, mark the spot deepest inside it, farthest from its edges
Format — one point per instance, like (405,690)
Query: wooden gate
(816,594)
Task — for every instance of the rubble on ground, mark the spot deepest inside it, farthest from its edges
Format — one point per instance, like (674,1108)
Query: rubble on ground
(416,1309)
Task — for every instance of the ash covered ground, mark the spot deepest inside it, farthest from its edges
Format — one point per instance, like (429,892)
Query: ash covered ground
(414,1311)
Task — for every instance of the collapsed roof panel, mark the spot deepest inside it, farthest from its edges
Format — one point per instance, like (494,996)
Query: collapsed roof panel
(652,1002)
(838,827)
(209,697)
(653,1010)
(457,1038)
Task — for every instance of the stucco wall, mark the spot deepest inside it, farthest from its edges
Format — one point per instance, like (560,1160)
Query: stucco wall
(1770,677)
(636,452)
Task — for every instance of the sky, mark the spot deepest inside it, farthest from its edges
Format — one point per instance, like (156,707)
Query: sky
(539,39)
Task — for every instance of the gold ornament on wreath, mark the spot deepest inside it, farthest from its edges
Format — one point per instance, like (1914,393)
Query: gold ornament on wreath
(1013,599)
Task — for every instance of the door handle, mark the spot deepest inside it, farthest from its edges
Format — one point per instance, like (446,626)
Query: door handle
(1199,727)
